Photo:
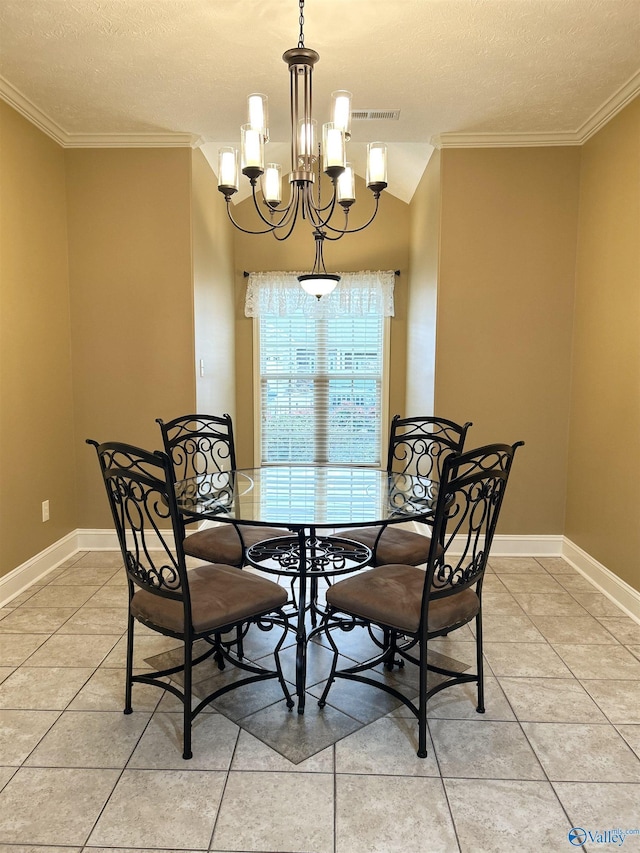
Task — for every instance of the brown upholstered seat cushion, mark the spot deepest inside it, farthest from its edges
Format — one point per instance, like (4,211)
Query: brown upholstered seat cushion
(392,595)
(220,595)
(222,544)
(395,545)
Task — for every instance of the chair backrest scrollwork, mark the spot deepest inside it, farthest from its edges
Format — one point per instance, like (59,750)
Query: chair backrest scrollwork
(469,501)
(199,444)
(140,490)
(420,445)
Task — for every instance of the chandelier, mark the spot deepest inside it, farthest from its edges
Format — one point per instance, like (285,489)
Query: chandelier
(309,156)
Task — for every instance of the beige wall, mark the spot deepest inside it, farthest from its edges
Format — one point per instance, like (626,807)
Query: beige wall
(504,316)
(213,294)
(422,291)
(603,495)
(37,455)
(383,245)
(129,220)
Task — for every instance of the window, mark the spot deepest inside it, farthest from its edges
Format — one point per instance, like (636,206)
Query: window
(321,377)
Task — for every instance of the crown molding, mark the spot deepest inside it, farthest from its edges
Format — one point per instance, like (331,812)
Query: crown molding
(618,101)
(627,92)
(47,125)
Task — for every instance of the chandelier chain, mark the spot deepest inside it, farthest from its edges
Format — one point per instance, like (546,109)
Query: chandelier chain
(301,37)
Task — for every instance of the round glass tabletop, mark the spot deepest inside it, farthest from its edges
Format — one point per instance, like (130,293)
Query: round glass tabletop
(308,496)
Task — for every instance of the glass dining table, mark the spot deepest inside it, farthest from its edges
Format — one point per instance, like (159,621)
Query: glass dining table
(309,503)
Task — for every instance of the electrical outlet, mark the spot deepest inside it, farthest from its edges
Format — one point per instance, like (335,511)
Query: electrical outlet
(45,510)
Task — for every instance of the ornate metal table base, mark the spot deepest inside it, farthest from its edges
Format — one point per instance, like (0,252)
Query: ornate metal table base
(307,557)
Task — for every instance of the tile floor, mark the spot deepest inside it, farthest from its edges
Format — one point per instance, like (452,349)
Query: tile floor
(558,747)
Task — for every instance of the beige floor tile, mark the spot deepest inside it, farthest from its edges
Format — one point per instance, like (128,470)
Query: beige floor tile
(104,691)
(31,848)
(213,739)
(460,701)
(69,802)
(487,750)
(545,604)
(625,630)
(294,814)
(21,598)
(5,672)
(551,700)
(5,774)
(97,739)
(160,808)
(573,629)
(79,576)
(576,583)
(596,807)
(382,814)
(543,584)
(575,753)
(516,566)
(492,584)
(635,650)
(100,559)
(62,596)
(502,816)
(386,746)
(510,628)
(39,688)
(556,565)
(525,659)
(253,754)
(16,648)
(620,700)
(35,620)
(109,596)
(495,603)
(145,646)
(595,662)
(96,620)
(20,732)
(73,650)
(632,736)
(598,605)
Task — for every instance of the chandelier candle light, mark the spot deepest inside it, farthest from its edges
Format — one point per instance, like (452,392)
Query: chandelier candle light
(307,154)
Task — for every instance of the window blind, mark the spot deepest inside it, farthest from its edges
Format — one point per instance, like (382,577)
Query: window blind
(320,388)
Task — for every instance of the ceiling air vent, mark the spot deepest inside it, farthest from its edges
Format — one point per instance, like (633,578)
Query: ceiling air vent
(375,115)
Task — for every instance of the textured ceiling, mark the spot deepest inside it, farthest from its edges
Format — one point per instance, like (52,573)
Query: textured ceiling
(96,72)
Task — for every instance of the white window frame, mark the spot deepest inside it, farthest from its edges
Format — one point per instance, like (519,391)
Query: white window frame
(384,396)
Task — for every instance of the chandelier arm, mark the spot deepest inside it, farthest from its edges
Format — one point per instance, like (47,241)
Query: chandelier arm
(246,230)
(292,221)
(344,231)
(282,223)
(315,213)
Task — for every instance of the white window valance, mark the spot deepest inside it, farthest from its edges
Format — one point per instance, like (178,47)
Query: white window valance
(357,294)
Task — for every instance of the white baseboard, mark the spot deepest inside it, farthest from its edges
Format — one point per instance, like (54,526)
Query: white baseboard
(620,592)
(605,581)
(21,578)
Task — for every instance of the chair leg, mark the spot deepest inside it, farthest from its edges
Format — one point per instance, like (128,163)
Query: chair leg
(322,701)
(422,702)
(239,644)
(218,656)
(129,670)
(479,663)
(186,699)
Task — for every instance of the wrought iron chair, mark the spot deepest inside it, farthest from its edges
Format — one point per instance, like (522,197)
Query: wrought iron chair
(204,444)
(416,606)
(417,446)
(200,604)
